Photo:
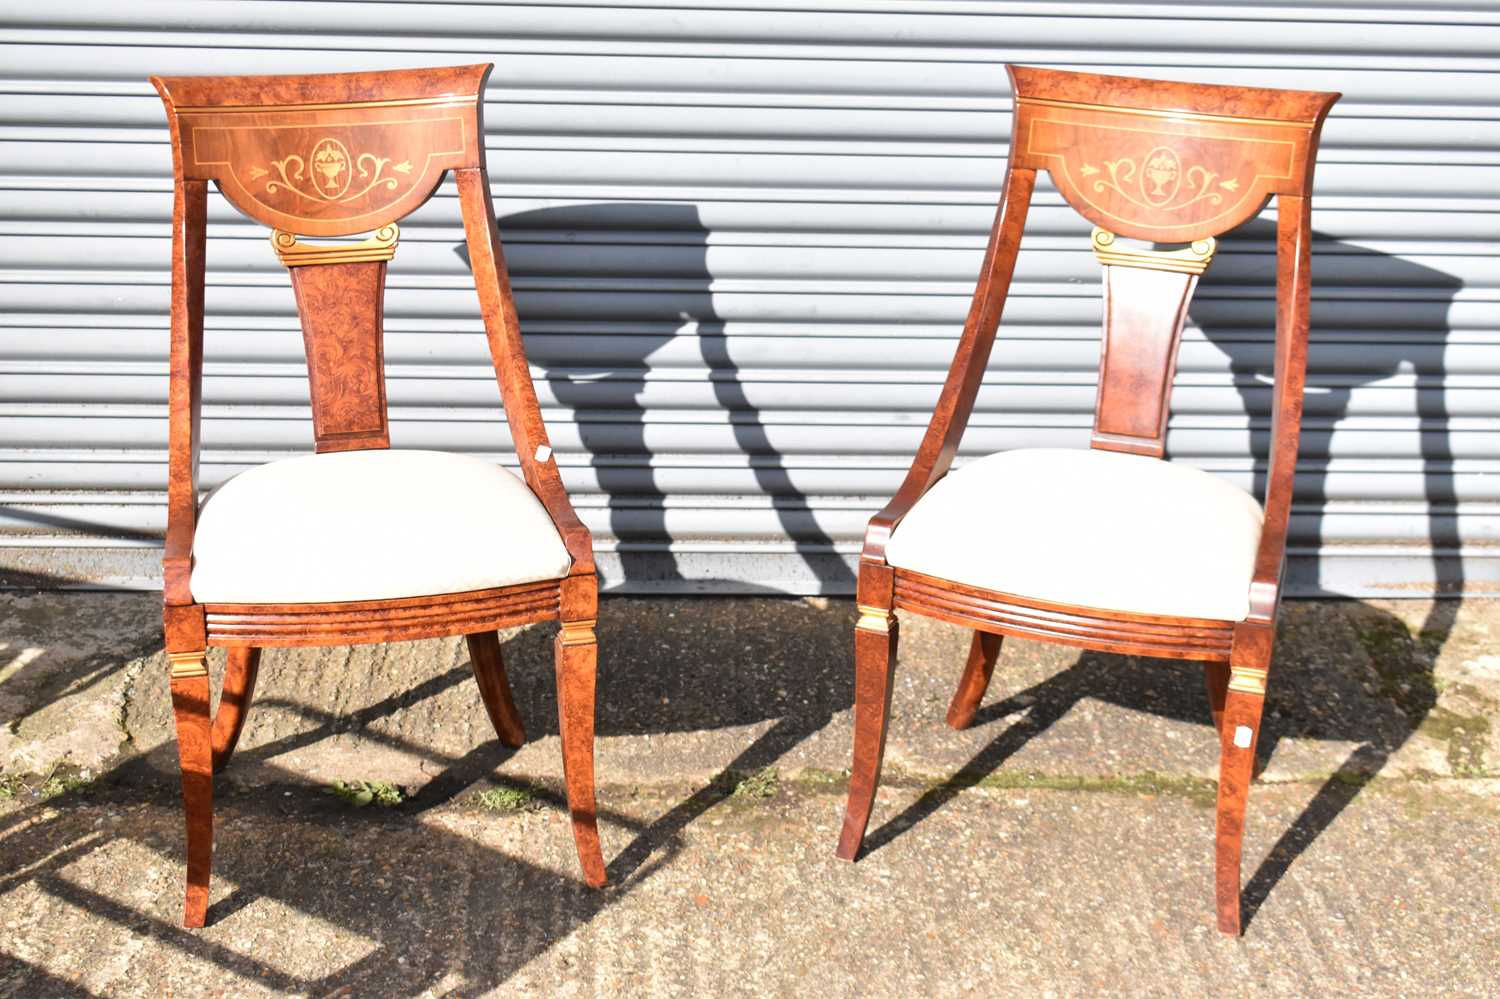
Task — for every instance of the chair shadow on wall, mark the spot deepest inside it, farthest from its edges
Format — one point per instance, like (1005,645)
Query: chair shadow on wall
(667,300)
(652,307)
(1307,699)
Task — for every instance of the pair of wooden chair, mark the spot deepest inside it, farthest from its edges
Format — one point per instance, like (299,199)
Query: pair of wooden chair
(1107,548)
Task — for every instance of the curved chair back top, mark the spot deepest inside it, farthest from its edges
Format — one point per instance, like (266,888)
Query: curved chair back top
(1162,161)
(328,154)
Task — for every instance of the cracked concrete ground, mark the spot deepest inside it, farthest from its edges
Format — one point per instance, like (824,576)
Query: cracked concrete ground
(1060,846)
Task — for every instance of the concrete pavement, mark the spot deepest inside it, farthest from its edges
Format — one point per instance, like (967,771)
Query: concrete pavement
(1061,846)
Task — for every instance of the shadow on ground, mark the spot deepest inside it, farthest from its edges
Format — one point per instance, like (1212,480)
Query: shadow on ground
(43,840)
(334,886)
(681,665)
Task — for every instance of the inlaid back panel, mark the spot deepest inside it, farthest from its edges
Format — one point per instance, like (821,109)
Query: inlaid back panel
(328,155)
(1170,162)
(331,155)
(343,334)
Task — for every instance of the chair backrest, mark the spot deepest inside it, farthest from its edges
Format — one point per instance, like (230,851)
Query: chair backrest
(336,155)
(331,155)
(1167,163)
(1162,162)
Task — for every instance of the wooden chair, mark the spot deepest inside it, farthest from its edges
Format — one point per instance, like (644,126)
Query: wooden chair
(1109,548)
(358,542)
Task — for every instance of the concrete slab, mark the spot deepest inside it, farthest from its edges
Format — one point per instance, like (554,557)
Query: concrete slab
(66,662)
(998,892)
(1061,845)
(690,687)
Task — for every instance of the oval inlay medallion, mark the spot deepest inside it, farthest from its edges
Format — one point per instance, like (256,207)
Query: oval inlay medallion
(330,168)
(1161,173)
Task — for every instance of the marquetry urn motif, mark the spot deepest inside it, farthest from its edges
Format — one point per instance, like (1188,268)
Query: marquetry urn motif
(329,172)
(1158,182)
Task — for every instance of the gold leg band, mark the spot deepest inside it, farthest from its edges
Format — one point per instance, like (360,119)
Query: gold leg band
(1248,681)
(186,665)
(577,632)
(874,619)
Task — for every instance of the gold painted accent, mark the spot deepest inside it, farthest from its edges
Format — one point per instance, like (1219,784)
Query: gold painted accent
(1247,680)
(1193,259)
(577,632)
(1048,102)
(380,246)
(874,619)
(405,102)
(187,665)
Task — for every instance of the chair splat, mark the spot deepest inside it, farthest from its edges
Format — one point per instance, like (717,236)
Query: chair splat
(1146,295)
(340,289)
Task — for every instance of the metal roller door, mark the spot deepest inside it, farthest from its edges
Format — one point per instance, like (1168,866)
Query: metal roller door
(743,242)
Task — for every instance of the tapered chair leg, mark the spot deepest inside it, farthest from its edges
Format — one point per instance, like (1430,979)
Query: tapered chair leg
(234,702)
(1237,738)
(983,652)
(875,638)
(195,754)
(577,654)
(494,688)
(1216,678)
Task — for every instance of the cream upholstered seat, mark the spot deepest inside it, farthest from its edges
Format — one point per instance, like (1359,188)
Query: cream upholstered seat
(371,525)
(1091,528)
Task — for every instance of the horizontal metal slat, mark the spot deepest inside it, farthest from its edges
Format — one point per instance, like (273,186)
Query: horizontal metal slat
(743,241)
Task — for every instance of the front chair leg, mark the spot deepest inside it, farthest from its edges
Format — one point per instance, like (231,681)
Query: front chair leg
(240,671)
(577,653)
(1238,734)
(494,688)
(875,638)
(983,652)
(195,754)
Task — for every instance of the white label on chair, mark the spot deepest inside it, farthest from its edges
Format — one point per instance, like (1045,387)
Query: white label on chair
(543,452)
(1242,736)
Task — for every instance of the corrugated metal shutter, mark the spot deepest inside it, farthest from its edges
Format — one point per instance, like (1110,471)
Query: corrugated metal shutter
(743,242)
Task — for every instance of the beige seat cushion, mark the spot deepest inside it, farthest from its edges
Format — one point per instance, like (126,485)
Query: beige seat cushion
(1094,528)
(371,525)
